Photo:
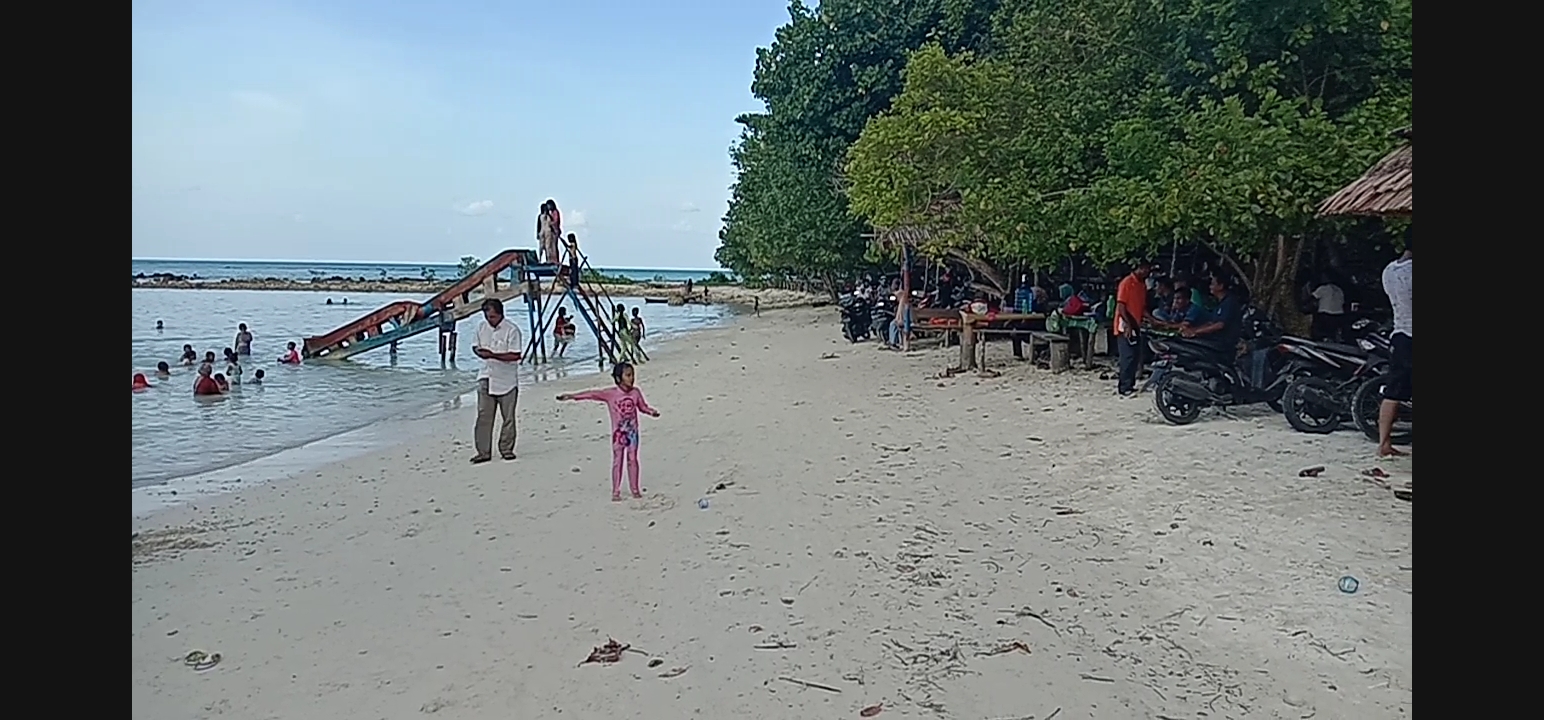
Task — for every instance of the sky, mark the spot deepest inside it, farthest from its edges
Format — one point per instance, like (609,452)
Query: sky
(416,131)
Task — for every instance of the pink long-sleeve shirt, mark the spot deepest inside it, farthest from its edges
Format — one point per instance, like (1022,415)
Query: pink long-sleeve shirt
(624,406)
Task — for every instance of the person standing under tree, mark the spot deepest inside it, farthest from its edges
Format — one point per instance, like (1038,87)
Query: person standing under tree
(1399,283)
(1329,311)
(498,343)
(1130,311)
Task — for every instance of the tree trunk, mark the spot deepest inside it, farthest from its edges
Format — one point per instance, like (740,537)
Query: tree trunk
(1274,288)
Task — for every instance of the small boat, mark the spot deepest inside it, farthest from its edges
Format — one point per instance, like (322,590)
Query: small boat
(656,300)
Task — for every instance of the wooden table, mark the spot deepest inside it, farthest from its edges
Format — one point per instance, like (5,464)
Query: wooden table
(972,326)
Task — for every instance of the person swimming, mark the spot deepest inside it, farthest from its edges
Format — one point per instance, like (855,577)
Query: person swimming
(188,355)
(257,377)
(291,356)
(205,383)
(225,385)
(208,361)
(139,383)
(160,325)
(162,370)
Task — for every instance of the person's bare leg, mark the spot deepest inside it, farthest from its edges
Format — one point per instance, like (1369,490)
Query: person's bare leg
(1386,414)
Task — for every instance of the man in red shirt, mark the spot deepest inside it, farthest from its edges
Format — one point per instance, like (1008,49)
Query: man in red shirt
(1130,311)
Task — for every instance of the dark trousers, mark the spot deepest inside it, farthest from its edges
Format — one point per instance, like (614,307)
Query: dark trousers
(1130,359)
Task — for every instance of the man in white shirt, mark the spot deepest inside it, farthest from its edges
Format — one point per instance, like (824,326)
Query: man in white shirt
(1399,283)
(1331,311)
(499,344)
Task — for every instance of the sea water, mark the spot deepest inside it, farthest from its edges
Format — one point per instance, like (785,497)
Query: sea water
(175,435)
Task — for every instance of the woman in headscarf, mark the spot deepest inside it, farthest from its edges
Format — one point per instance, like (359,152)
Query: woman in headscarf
(555,255)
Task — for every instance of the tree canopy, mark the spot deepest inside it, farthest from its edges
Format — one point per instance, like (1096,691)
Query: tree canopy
(1025,131)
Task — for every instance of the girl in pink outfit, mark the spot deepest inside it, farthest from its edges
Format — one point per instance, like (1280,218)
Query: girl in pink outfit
(624,401)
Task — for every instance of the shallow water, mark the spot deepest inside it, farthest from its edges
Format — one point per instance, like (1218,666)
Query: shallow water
(176,435)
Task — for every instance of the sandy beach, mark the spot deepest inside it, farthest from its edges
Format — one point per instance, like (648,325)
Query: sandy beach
(1022,546)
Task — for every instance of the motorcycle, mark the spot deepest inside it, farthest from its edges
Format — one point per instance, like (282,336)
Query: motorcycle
(856,317)
(880,316)
(1195,375)
(1320,396)
(1367,402)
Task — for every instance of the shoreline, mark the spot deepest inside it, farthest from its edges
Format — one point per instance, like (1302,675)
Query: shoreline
(770,298)
(287,463)
(869,526)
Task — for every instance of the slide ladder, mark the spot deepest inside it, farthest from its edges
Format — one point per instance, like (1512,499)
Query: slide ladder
(403,319)
(585,297)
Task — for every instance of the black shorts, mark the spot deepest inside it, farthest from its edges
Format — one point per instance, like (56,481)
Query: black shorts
(1401,382)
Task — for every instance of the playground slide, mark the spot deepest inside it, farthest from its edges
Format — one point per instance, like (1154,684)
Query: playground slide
(403,319)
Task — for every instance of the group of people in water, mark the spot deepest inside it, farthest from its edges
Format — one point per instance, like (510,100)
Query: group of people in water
(207,382)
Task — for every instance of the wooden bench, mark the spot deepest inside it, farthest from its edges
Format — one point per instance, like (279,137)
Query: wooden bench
(1057,347)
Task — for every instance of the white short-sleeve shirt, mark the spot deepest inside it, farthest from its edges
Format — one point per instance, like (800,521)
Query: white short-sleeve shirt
(1399,283)
(502,376)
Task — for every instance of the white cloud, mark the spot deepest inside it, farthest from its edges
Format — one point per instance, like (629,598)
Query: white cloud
(574,220)
(478,207)
(690,207)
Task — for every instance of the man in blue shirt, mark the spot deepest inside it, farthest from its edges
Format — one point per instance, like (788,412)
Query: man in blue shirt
(1180,311)
(1222,330)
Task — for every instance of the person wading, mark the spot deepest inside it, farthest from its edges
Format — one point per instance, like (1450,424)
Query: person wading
(498,343)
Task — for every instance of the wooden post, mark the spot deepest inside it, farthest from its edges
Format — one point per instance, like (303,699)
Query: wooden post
(967,341)
(905,318)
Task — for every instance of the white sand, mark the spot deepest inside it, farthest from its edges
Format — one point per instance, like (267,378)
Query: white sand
(1193,574)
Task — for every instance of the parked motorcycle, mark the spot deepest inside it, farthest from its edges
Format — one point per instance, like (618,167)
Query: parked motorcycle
(1196,375)
(856,317)
(1327,375)
(1366,403)
(882,312)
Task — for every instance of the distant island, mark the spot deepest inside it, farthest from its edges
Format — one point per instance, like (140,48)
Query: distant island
(721,291)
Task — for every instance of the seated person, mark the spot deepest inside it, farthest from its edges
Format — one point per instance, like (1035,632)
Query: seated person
(188,355)
(1179,312)
(1221,329)
(291,355)
(1073,302)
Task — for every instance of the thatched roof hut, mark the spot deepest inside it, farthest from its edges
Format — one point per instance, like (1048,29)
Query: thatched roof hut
(1387,189)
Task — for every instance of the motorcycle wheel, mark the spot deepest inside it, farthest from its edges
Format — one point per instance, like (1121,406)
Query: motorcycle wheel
(1303,413)
(1365,405)
(1175,408)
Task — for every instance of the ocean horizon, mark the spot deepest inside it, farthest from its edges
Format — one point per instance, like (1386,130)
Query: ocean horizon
(307,269)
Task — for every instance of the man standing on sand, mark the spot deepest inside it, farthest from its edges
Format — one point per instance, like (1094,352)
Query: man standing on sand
(499,345)
(1399,283)
(1130,311)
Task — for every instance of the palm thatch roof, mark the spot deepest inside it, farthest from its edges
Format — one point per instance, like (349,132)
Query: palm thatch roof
(1387,189)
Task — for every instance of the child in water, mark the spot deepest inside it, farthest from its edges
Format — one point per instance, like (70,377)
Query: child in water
(188,355)
(624,401)
(233,369)
(162,370)
(257,377)
(291,356)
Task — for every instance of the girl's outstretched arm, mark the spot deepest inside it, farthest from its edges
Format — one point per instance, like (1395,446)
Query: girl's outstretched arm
(643,406)
(599,395)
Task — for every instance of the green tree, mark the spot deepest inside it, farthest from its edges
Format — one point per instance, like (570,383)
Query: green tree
(826,73)
(467,266)
(1115,128)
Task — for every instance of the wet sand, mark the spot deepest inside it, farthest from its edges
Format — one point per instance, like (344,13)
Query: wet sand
(869,527)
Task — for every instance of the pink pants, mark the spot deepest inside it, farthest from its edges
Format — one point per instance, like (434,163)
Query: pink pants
(629,454)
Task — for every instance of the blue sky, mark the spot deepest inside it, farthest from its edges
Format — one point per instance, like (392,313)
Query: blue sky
(425,131)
